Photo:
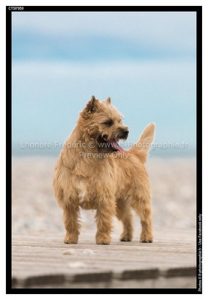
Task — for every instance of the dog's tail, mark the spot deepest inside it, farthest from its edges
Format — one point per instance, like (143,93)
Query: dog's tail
(141,148)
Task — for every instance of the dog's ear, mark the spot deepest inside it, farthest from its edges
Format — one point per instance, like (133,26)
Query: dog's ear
(108,100)
(92,105)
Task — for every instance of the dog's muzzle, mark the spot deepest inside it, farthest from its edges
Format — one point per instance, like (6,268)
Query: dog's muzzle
(123,133)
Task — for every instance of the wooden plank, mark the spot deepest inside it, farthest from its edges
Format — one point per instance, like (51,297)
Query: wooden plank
(47,261)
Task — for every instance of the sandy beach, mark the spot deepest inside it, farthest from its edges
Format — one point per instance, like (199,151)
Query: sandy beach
(34,208)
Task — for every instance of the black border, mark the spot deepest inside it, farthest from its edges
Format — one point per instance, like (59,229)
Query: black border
(199,147)
(9,10)
(8,150)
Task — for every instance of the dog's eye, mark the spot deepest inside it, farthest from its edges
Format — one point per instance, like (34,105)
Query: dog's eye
(108,122)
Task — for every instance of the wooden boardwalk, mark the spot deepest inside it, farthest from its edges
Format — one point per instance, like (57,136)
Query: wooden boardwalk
(45,261)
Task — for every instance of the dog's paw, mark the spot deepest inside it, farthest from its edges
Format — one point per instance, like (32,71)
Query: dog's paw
(146,237)
(146,241)
(126,238)
(103,241)
(70,239)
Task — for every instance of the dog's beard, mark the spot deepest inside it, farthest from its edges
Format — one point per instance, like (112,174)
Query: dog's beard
(108,146)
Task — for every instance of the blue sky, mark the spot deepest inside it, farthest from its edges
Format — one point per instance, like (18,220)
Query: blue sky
(144,60)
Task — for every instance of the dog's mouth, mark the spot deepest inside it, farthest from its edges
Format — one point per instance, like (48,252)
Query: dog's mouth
(111,145)
(114,145)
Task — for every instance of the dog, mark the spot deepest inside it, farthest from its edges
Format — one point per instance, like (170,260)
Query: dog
(94,172)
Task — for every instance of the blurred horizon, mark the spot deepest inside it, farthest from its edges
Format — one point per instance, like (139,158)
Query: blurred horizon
(145,61)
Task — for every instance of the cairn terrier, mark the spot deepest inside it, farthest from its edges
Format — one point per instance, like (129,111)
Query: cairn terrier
(94,172)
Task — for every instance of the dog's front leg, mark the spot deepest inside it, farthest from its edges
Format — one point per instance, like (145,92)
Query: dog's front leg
(71,223)
(123,212)
(104,216)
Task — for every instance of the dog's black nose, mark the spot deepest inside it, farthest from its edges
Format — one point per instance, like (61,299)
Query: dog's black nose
(124,133)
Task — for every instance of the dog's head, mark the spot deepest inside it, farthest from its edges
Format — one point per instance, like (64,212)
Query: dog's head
(103,123)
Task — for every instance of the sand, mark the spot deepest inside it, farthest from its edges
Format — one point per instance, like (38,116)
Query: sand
(34,208)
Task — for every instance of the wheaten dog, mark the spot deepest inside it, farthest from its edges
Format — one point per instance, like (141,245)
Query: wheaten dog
(94,172)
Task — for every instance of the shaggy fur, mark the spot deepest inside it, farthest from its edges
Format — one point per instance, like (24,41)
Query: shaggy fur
(94,172)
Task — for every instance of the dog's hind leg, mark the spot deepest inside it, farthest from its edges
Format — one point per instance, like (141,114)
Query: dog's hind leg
(143,209)
(124,214)
(71,223)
